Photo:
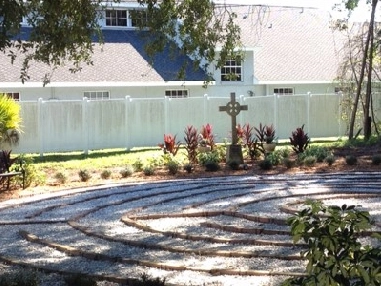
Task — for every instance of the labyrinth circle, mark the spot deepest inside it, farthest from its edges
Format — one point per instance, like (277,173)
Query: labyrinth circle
(208,231)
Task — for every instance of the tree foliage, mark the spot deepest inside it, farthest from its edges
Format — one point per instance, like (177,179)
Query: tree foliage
(10,120)
(63,31)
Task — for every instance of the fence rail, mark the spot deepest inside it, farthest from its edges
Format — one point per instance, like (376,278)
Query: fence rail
(56,126)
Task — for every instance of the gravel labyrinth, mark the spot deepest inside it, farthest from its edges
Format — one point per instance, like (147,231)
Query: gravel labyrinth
(219,231)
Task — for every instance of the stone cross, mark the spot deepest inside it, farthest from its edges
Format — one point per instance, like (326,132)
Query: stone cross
(233,108)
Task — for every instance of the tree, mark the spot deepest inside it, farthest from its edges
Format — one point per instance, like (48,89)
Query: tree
(63,31)
(10,120)
(366,66)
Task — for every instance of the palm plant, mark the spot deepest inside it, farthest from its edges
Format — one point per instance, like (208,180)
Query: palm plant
(10,120)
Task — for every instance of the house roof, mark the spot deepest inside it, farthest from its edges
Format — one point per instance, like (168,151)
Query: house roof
(290,44)
(120,59)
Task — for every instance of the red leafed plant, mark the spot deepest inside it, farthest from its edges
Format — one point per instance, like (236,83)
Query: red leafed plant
(170,145)
(247,138)
(206,136)
(191,143)
(299,140)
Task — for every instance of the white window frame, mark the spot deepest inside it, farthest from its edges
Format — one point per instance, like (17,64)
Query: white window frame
(177,93)
(284,91)
(232,70)
(97,95)
(116,17)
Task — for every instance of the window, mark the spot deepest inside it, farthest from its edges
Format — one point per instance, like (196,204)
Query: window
(97,95)
(232,70)
(284,91)
(116,18)
(138,18)
(176,93)
(14,95)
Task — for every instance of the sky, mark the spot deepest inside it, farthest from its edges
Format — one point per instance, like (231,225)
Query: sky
(361,13)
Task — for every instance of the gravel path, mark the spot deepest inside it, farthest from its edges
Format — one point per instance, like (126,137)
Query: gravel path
(219,231)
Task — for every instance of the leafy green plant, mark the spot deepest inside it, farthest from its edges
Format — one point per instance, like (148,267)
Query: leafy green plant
(209,157)
(351,160)
(376,159)
(170,145)
(173,167)
(79,279)
(275,157)
(149,170)
(288,163)
(106,174)
(330,159)
(22,277)
(191,143)
(138,165)
(10,120)
(319,152)
(310,161)
(188,167)
(265,164)
(127,171)
(84,175)
(299,140)
(60,177)
(335,256)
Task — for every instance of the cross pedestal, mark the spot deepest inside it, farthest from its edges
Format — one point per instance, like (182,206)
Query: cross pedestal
(233,108)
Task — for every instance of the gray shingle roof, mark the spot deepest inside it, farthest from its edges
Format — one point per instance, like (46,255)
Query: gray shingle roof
(291,44)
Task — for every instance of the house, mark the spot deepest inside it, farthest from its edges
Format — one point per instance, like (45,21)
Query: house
(286,51)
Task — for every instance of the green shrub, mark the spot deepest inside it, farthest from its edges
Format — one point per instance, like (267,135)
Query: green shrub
(275,157)
(79,279)
(209,157)
(288,163)
(138,165)
(188,167)
(173,167)
(376,159)
(106,174)
(351,160)
(146,280)
(32,175)
(265,164)
(127,171)
(149,170)
(84,175)
(335,257)
(330,159)
(60,177)
(212,166)
(310,161)
(22,277)
(319,152)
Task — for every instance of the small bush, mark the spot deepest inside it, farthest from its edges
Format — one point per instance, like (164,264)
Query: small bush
(310,161)
(149,170)
(212,166)
(60,177)
(22,277)
(288,163)
(84,175)
(319,152)
(376,159)
(146,280)
(275,157)
(265,164)
(127,171)
(106,174)
(188,168)
(208,157)
(330,159)
(173,167)
(138,165)
(79,279)
(351,160)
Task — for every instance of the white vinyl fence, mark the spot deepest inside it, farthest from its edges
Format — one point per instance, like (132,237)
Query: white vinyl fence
(55,126)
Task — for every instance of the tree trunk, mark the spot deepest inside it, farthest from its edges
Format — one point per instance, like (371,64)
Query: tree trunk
(361,78)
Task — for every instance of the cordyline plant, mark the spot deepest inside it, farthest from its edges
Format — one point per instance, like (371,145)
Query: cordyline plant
(246,137)
(170,145)
(191,143)
(206,136)
(299,140)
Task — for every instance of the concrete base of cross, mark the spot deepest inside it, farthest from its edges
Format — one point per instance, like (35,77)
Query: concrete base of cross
(234,154)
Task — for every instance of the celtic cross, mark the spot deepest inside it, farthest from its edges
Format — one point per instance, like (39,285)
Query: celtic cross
(233,108)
